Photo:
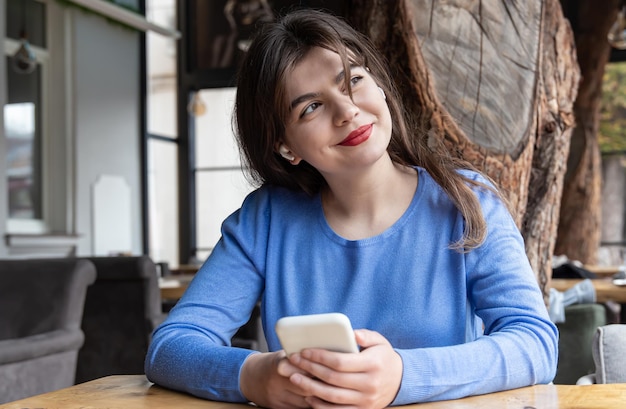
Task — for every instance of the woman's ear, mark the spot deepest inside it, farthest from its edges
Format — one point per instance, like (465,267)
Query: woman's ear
(382,92)
(286,153)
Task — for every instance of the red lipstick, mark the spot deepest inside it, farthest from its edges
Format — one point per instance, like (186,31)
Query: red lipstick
(358,136)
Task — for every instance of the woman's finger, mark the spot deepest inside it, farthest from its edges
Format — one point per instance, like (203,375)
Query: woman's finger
(322,390)
(286,368)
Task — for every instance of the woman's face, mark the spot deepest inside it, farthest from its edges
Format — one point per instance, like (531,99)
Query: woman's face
(324,127)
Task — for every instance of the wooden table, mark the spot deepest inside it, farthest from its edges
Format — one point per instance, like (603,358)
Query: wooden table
(602,271)
(184,269)
(134,392)
(173,287)
(605,289)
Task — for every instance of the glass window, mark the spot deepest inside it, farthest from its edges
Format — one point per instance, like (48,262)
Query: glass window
(29,17)
(23,157)
(215,142)
(218,194)
(23,116)
(161,66)
(612,142)
(221,184)
(162,129)
(163,201)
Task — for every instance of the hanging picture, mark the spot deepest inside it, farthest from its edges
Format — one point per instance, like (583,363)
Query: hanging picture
(221,30)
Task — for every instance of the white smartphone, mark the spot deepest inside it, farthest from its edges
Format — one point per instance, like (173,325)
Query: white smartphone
(331,331)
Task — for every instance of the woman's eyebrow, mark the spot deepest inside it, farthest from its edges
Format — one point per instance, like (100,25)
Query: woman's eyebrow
(305,97)
(342,75)
(312,95)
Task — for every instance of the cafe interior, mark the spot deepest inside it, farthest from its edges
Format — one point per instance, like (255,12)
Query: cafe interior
(120,165)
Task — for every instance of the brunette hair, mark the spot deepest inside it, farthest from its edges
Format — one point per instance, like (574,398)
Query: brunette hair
(261,109)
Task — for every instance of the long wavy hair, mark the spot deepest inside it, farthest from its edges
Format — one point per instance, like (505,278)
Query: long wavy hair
(261,110)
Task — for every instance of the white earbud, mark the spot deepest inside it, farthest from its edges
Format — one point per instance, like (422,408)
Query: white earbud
(382,92)
(285,153)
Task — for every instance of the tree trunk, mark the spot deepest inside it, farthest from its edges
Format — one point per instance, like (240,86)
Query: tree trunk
(558,87)
(474,71)
(580,220)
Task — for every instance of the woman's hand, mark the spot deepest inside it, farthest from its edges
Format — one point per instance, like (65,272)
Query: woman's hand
(265,381)
(369,379)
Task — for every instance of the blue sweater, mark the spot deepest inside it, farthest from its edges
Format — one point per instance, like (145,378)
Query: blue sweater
(463,323)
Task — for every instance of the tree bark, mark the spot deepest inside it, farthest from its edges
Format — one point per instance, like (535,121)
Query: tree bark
(558,87)
(580,217)
(474,72)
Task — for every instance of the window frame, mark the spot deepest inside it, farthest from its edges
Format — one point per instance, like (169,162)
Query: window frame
(34,226)
(57,137)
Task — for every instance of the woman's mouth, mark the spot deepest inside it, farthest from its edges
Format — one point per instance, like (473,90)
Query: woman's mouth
(358,136)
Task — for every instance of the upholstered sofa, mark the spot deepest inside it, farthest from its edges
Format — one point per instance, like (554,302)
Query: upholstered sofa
(41,307)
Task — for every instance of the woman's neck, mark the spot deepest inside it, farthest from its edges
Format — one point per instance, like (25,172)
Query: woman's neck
(367,204)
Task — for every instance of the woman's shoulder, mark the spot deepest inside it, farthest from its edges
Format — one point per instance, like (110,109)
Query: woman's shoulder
(267,200)
(467,174)
(483,187)
(266,205)
(272,196)
(476,176)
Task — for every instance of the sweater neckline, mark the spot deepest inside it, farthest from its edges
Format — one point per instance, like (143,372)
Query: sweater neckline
(395,227)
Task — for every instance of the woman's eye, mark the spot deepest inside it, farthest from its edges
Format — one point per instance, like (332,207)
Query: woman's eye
(310,108)
(355,79)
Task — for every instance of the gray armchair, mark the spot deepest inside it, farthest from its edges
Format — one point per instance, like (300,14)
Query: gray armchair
(609,355)
(122,309)
(575,340)
(41,307)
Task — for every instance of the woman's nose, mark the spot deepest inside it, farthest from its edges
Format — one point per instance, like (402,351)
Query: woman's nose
(345,110)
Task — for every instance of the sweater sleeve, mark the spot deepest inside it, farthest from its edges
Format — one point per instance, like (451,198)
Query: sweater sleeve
(190,351)
(519,344)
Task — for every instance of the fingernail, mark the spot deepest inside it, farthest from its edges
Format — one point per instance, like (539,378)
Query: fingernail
(296,378)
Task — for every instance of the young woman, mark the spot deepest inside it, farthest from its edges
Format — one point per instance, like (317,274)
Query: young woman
(355,214)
